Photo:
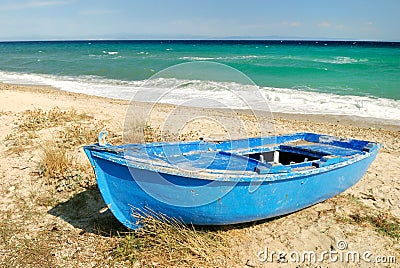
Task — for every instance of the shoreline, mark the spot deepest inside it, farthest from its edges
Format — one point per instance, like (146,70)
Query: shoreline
(347,120)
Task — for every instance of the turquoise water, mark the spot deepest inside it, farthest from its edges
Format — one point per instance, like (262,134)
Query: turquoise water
(370,70)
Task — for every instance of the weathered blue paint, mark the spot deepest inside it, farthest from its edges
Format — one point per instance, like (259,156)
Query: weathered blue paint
(245,189)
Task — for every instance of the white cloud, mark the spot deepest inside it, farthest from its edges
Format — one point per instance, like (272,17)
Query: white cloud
(324,24)
(31,4)
(292,23)
(95,12)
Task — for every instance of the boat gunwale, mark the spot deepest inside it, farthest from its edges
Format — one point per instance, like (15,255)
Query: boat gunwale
(243,176)
(113,153)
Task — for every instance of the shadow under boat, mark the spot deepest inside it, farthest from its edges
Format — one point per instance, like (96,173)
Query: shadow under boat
(86,211)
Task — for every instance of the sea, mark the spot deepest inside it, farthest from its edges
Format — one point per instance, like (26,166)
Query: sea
(302,77)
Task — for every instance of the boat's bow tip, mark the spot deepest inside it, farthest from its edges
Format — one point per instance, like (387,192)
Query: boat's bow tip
(102,138)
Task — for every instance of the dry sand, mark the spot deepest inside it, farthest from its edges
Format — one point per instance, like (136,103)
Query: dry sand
(42,225)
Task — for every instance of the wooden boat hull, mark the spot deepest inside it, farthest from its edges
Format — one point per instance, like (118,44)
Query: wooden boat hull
(219,201)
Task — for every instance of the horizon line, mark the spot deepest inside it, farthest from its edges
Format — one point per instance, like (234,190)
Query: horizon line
(200,39)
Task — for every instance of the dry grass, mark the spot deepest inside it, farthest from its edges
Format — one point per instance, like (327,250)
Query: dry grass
(138,131)
(382,222)
(70,130)
(20,248)
(74,135)
(59,168)
(31,252)
(55,160)
(28,123)
(61,173)
(18,141)
(5,113)
(58,165)
(50,246)
(167,242)
(38,119)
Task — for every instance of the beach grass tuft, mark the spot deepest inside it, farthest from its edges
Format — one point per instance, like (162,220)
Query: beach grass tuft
(386,224)
(60,168)
(168,242)
(55,161)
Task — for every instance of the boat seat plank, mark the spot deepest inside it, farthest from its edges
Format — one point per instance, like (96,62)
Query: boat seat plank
(319,150)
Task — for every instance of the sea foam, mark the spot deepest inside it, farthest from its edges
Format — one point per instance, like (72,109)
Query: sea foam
(340,60)
(224,94)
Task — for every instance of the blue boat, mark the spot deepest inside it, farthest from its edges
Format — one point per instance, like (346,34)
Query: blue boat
(227,182)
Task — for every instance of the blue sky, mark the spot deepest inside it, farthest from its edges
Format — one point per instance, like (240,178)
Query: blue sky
(153,19)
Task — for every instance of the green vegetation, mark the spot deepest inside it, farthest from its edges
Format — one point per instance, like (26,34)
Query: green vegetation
(383,222)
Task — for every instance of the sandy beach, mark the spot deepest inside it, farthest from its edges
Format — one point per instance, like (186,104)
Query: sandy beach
(58,222)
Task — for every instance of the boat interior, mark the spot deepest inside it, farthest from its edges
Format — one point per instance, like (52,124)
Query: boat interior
(275,154)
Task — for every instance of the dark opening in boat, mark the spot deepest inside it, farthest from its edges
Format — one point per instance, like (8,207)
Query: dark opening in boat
(285,158)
